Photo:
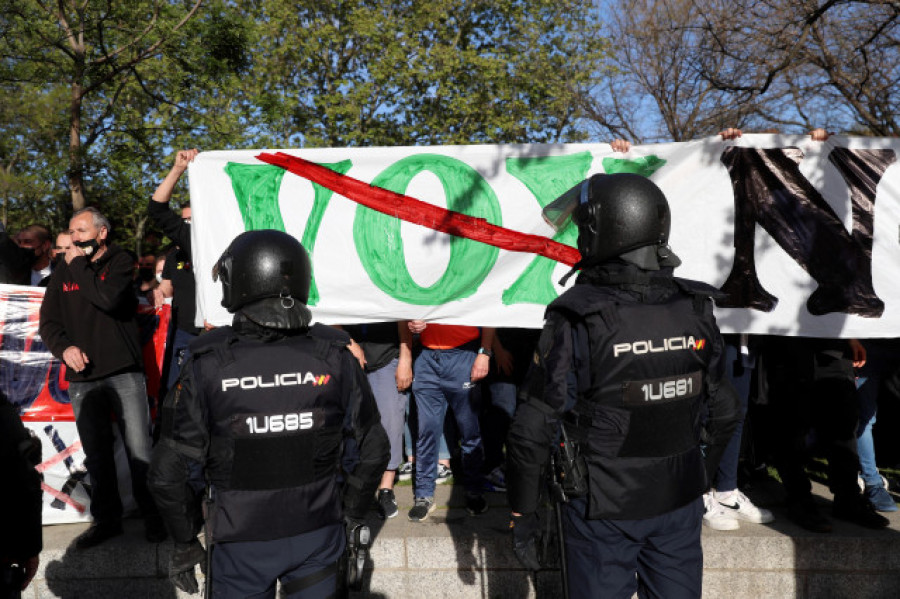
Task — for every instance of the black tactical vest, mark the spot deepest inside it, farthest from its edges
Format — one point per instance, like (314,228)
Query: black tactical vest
(638,413)
(275,413)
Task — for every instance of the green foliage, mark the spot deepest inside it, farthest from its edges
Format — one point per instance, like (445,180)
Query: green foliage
(30,151)
(151,77)
(115,92)
(411,72)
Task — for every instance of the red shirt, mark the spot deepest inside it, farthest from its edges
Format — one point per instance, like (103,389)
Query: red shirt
(448,336)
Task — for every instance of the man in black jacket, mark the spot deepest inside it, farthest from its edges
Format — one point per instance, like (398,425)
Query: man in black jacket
(15,261)
(629,359)
(265,406)
(88,322)
(178,275)
(37,238)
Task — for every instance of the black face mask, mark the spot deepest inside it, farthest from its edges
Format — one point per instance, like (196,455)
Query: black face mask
(146,274)
(88,247)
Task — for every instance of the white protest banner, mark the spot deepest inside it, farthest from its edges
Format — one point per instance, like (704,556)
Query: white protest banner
(802,236)
(34,381)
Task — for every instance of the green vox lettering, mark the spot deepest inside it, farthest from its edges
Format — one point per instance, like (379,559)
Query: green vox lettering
(380,246)
(256,189)
(548,178)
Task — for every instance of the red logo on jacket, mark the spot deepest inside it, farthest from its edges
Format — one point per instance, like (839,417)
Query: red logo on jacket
(70,287)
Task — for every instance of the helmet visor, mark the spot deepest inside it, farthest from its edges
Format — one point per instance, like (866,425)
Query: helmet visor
(558,213)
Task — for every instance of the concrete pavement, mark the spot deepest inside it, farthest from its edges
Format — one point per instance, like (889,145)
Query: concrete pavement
(454,555)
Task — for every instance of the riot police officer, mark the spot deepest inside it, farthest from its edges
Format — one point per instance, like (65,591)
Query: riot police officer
(265,406)
(629,361)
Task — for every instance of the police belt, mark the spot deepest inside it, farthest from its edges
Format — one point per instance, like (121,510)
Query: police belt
(304,582)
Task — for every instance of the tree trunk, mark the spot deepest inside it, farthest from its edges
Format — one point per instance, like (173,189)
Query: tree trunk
(139,235)
(76,164)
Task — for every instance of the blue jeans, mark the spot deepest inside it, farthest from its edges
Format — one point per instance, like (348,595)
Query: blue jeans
(124,395)
(392,407)
(726,475)
(879,361)
(442,379)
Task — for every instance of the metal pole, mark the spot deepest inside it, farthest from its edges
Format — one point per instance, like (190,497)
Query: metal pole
(208,500)
(561,539)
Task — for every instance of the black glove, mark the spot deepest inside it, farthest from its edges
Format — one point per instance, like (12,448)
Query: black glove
(181,565)
(526,531)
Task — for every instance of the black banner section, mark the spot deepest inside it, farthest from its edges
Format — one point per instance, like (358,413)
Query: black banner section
(770,190)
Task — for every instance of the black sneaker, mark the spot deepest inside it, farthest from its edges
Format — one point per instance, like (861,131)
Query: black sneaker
(495,480)
(154,530)
(806,515)
(421,509)
(857,510)
(476,504)
(96,534)
(387,503)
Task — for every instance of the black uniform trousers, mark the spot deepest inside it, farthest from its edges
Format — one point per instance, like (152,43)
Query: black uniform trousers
(249,569)
(665,551)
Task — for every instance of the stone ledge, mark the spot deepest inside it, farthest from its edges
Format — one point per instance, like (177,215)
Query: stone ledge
(454,555)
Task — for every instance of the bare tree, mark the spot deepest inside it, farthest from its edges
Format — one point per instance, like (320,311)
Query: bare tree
(656,89)
(808,61)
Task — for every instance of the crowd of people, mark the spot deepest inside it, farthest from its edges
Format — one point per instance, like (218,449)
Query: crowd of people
(446,397)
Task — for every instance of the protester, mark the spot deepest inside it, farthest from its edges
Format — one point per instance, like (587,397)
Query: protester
(725,504)
(407,470)
(266,405)
(63,241)
(384,350)
(513,349)
(178,276)
(882,360)
(15,261)
(37,239)
(453,359)
(146,275)
(87,320)
(158,268)
(632,522)
(811,386)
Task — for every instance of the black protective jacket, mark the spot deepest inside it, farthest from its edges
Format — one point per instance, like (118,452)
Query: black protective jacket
(267,417)
(20,500)
(631,363)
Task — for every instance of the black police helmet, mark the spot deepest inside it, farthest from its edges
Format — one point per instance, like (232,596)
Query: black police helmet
(622,213)
(266,275)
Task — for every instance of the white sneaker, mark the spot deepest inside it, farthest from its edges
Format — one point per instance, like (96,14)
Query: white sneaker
(862,483)
(444,474)
(405,471)
(716,517)
(736,505)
